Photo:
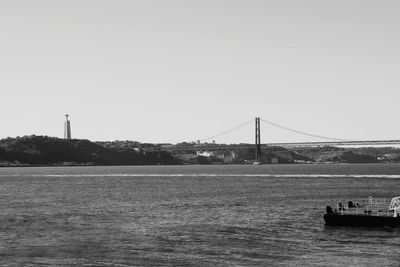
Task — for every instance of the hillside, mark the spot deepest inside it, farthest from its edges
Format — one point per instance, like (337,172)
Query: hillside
(349,155)
(49,151)
(43,150)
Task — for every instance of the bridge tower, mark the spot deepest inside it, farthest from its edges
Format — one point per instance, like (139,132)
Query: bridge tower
(67,128)
(258,140)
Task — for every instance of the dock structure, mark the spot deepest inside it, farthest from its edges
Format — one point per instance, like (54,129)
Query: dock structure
(67,128)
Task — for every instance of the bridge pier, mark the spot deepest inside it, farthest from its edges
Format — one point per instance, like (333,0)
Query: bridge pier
(258,141)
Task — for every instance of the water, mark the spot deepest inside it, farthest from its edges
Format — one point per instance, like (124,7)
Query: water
(268,215)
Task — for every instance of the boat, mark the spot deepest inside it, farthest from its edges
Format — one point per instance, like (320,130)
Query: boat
(374,212)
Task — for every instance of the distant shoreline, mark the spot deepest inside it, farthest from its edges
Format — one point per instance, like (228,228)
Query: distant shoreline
(13,165)
(44,151)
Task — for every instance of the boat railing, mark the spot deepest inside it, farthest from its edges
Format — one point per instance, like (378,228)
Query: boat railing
(370,206)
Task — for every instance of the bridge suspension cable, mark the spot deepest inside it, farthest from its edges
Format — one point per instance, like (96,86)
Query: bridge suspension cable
(227,131)
(300,132)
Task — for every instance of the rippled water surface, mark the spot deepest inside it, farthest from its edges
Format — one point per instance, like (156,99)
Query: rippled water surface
(268,215)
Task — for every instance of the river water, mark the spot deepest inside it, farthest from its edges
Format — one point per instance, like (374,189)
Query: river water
(269,215)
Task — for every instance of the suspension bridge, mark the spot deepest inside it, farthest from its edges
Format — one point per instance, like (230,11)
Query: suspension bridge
(318,140)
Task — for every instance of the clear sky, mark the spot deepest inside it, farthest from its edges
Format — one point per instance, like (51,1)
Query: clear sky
(172,71)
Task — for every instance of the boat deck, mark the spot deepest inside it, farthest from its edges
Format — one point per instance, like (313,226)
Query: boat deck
(366,211)
(370,207)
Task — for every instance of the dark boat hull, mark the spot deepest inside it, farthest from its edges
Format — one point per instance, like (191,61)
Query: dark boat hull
(336,219)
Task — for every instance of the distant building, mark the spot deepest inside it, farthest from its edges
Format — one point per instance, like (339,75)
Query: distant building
(187,157)
(67,128)
(204,153)
(228,157)
(274,160)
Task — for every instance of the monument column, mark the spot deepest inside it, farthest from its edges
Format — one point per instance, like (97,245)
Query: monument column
(67,128)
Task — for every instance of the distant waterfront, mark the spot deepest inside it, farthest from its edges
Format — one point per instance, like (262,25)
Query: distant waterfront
(50,151)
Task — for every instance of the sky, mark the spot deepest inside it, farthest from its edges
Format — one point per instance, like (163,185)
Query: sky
(171,71)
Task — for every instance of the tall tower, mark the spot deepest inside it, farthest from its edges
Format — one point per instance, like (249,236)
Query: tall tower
(258,141)
(67,128)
